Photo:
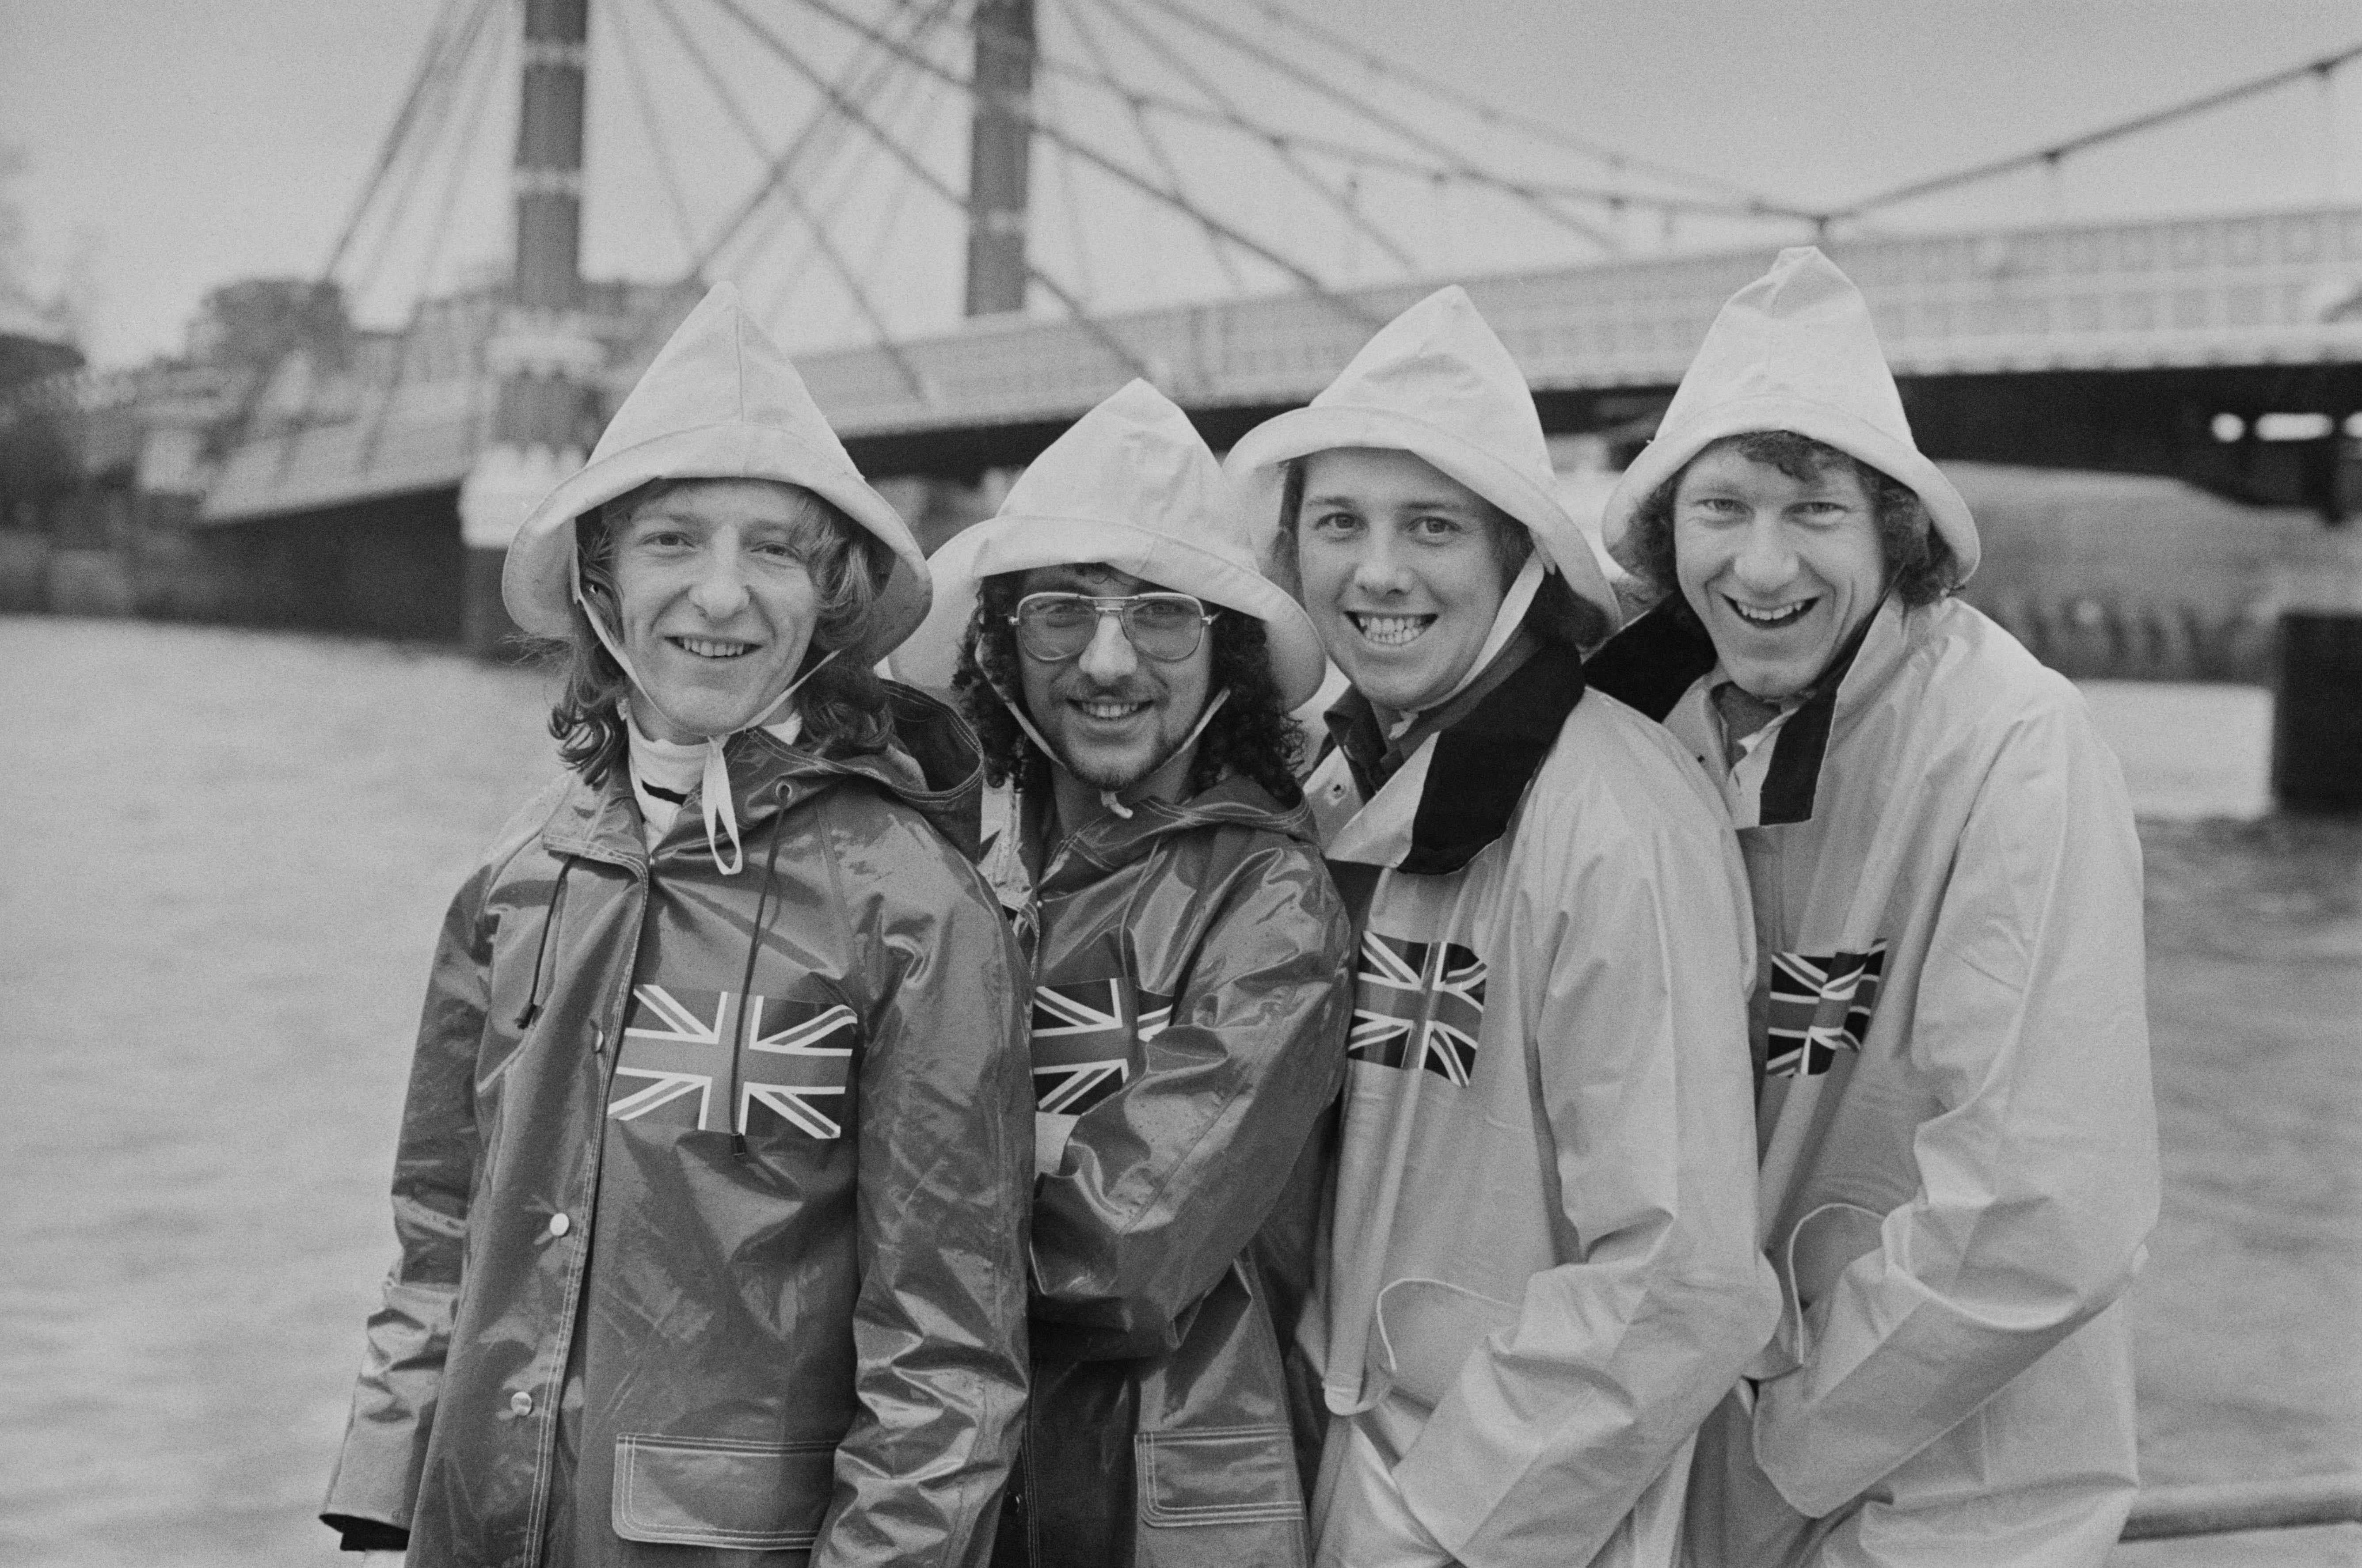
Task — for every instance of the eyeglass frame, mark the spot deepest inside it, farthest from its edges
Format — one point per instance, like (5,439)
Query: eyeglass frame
(1119,607)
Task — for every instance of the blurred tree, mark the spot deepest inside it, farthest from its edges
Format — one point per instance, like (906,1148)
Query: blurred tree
(252,323)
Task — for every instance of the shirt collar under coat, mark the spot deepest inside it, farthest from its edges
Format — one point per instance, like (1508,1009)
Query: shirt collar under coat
(936,766)
(1448,786)
(1654,663)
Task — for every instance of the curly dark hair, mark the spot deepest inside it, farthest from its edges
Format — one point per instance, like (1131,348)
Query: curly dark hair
(1252,734)
(844,704)
(1918,562)
(1559,614)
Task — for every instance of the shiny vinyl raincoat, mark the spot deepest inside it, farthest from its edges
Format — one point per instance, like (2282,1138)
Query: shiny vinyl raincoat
(1190,1004)
(612,1332)
(1544,1271)
(1960,1148)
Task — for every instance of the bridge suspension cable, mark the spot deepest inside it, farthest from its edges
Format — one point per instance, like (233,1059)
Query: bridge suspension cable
(926,176)
(1310,281)
(2055,153)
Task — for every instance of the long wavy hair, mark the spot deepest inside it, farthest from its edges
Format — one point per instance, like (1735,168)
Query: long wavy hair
(1919,563)
(1252,735)
(842,704)
(1558,613)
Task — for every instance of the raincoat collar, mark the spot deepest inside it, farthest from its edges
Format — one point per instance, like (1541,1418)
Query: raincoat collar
(1437,807)
(935,766)
(1015,820)
(1665,655)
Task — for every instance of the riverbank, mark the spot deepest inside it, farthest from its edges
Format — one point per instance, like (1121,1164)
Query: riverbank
(212,938)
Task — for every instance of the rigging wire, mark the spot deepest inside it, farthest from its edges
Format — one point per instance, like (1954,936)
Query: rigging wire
(1310,281)
(1362,157)
(1433,146)
(793,196)
(1085,287)
(870,57)
(1155,144)
(1287,152)
(430,65)
(849,173)
(456,178)
(668,175)
(930,105)
(423,139)
(934,182)
(2089,139)
(1615,158)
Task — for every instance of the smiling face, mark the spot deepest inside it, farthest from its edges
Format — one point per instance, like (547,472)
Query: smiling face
(1401,573)
(1112,716)
(714,602)
(1781,570)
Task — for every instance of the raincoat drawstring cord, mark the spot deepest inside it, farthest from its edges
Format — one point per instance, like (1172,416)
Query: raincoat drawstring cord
(549,917)
(1108,798)
(750,1022)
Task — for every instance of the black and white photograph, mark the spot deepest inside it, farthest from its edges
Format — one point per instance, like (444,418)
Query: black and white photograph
(1181,784)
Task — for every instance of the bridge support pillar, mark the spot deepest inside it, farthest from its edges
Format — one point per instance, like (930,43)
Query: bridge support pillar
(545,361)
(1000,137)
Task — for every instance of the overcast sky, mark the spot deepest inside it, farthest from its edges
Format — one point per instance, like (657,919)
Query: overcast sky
(175,144)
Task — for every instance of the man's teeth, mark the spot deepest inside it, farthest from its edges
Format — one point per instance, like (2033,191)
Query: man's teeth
(707,647)
(1779,615)
(1110,709)
(1392,631)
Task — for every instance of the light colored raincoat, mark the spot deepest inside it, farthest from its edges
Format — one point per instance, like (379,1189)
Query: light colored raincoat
(1959,1143)
(711,1185)
(1543,1271)
(1190,1010)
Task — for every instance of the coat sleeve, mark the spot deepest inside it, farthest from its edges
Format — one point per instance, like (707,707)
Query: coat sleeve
(1163,1184)
(1637,1032)
(2037,1173)
(946,1148)
(376,1478)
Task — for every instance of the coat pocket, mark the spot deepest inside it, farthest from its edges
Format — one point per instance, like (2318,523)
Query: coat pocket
(1220,1475)
(712,1492)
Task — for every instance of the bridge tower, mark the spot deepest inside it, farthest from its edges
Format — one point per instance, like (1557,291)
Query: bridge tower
(1000,135)
(546,360)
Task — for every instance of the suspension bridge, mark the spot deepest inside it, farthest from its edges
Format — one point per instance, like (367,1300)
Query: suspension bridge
(1221,195)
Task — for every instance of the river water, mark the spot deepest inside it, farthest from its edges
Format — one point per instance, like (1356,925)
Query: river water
(231,850)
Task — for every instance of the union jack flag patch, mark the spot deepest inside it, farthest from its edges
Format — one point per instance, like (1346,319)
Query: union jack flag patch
(795,1060)
(1417,1004)
(1083,1036)
(1820,1006)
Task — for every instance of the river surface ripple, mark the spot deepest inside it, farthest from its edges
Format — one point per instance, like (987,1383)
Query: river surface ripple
(232,852)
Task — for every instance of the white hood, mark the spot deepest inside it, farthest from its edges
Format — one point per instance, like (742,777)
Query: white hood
(1131,485)
(1435,382)
(1795,350)
(720,400)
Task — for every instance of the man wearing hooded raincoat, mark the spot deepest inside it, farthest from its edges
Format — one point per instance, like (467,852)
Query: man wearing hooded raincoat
(711,1184)
(1131,673)
(1542,1272)
(1958,1145)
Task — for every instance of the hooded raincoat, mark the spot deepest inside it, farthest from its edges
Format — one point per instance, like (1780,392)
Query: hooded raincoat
(711,1177)
(1542,1272)
(608,1332)
(1957,1139)
(1189,1012)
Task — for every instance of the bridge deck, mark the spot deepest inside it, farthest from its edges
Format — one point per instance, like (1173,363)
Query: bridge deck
(2259,289)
